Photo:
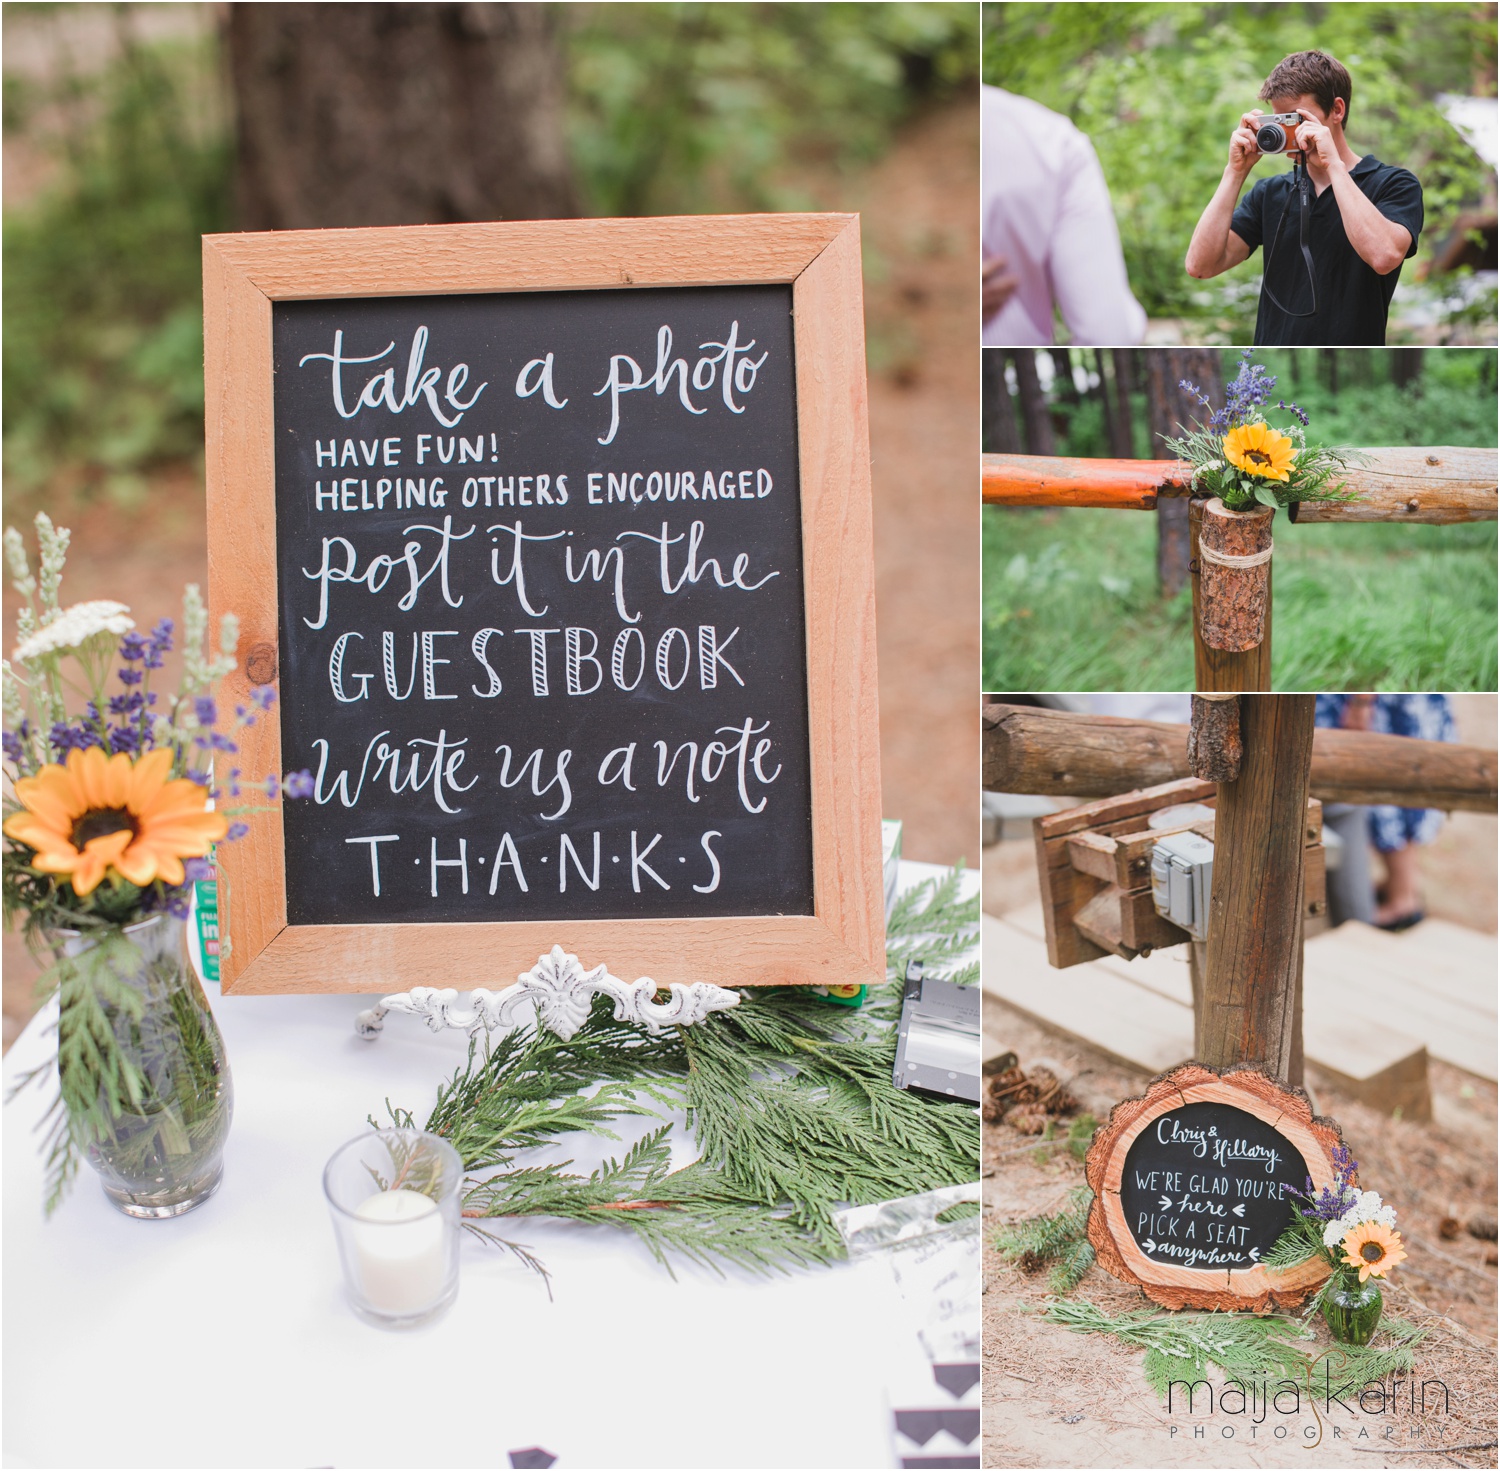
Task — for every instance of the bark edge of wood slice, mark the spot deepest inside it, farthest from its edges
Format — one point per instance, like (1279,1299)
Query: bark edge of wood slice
(1234,599)
(1242,1086)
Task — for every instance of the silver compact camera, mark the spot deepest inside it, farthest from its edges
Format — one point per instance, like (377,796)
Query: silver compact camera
(1278,132)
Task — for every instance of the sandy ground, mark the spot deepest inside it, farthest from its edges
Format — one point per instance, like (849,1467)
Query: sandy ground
(1054,1398)
(919,205)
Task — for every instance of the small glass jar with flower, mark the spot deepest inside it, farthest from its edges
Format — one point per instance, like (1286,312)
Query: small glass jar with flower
(112,811)
(1354,1232)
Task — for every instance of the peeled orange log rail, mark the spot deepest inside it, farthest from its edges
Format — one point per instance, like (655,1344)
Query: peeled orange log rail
(1428,486)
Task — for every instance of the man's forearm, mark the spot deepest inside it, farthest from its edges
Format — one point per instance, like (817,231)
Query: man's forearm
(1380,243)
(1208,251)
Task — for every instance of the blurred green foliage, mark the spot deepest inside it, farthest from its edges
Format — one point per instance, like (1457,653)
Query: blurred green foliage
(673,108)
(1071,599)
(1159,88)
(103,333)
(690,108)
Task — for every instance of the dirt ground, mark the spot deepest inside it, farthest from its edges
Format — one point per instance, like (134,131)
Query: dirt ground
(919,205)
(1055,1398)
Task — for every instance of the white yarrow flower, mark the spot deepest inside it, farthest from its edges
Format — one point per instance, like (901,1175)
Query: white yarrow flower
(75,626)
(1335,1231)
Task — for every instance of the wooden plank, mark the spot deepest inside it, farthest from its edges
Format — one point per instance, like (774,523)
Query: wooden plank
(529,255)
(1140,1012)
(1256,911)
(1057,480)
(1094,853)
(1436,486)
(1111,814)
(1131,1024)
(1056,753)
(1344,973)
(1440,958)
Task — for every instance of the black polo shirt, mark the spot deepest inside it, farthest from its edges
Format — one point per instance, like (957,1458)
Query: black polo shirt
(1352,299)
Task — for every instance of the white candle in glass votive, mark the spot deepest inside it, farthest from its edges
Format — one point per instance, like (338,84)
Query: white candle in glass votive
(400,1249)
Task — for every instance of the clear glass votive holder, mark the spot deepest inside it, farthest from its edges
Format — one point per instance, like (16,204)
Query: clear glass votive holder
(394,1197)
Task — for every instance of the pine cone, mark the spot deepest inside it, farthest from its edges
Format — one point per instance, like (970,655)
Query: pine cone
(1448,1228)
(1027,1118)
(1050,1092)
(1482,1228)
(1011,1087)
(1030,1263)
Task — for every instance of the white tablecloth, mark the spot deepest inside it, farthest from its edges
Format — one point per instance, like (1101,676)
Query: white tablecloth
(221,1338)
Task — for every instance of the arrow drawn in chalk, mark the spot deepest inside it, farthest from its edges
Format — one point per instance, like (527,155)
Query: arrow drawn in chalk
(1255,1253)
(1239,1210)
(1149,1245)
(1166,1202)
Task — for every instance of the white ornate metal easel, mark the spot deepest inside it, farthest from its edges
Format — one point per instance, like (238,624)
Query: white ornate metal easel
(562,992)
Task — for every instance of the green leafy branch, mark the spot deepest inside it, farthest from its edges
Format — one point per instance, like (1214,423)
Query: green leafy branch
(1061,1238)
(789,1100)
(1181,1347)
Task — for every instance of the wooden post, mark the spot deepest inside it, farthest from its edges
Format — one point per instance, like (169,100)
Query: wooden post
(1223,669)
(1252,989)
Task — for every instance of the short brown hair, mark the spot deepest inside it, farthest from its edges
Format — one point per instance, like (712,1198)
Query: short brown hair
(1309,74)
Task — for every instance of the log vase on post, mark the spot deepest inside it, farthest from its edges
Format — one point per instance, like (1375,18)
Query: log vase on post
(1225,669)
(1252,991)
(1234,555)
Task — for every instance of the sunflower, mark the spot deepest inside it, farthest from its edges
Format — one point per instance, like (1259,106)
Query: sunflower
(100,812)
(1257,449)
(1373,1248)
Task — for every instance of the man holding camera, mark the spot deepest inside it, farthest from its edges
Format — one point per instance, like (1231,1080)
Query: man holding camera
(1335,229)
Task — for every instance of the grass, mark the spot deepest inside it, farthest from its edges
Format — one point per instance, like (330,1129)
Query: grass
(1071,603)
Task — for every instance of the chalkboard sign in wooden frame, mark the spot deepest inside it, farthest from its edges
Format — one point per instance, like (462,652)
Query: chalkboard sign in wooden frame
(839,939)
(1204,1161)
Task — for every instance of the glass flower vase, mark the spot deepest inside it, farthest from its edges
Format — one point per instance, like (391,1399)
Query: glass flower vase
(1351,1308)
(141,1061)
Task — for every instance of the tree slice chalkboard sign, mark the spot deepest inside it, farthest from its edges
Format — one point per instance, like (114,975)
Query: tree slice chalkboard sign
(554,540)
(1194,1183)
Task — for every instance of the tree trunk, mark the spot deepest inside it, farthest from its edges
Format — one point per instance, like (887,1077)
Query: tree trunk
(1406,365)
(1331,368)
(1168,408)
(400,114)
(1062,373)
(1124,438)
(1034,411)
(1106,403)
(998,434)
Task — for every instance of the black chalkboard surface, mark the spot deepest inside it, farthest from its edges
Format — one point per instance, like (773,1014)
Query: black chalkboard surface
(1207,1187)
(541,606)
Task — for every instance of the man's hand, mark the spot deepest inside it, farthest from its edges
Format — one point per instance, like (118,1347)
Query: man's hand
(1243,152)
(999,286)
(1315,140)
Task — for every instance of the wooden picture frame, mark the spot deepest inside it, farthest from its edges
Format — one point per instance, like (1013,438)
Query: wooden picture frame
(842,941)
(1288,1111)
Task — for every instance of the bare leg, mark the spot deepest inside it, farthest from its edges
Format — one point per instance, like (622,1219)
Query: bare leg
(1401,895)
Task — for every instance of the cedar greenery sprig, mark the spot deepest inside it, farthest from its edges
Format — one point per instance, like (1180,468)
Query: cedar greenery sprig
(1249,1350)
(1061,1238)
(789,1101)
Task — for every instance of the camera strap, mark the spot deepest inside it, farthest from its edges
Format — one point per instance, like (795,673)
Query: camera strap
(1301,190)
